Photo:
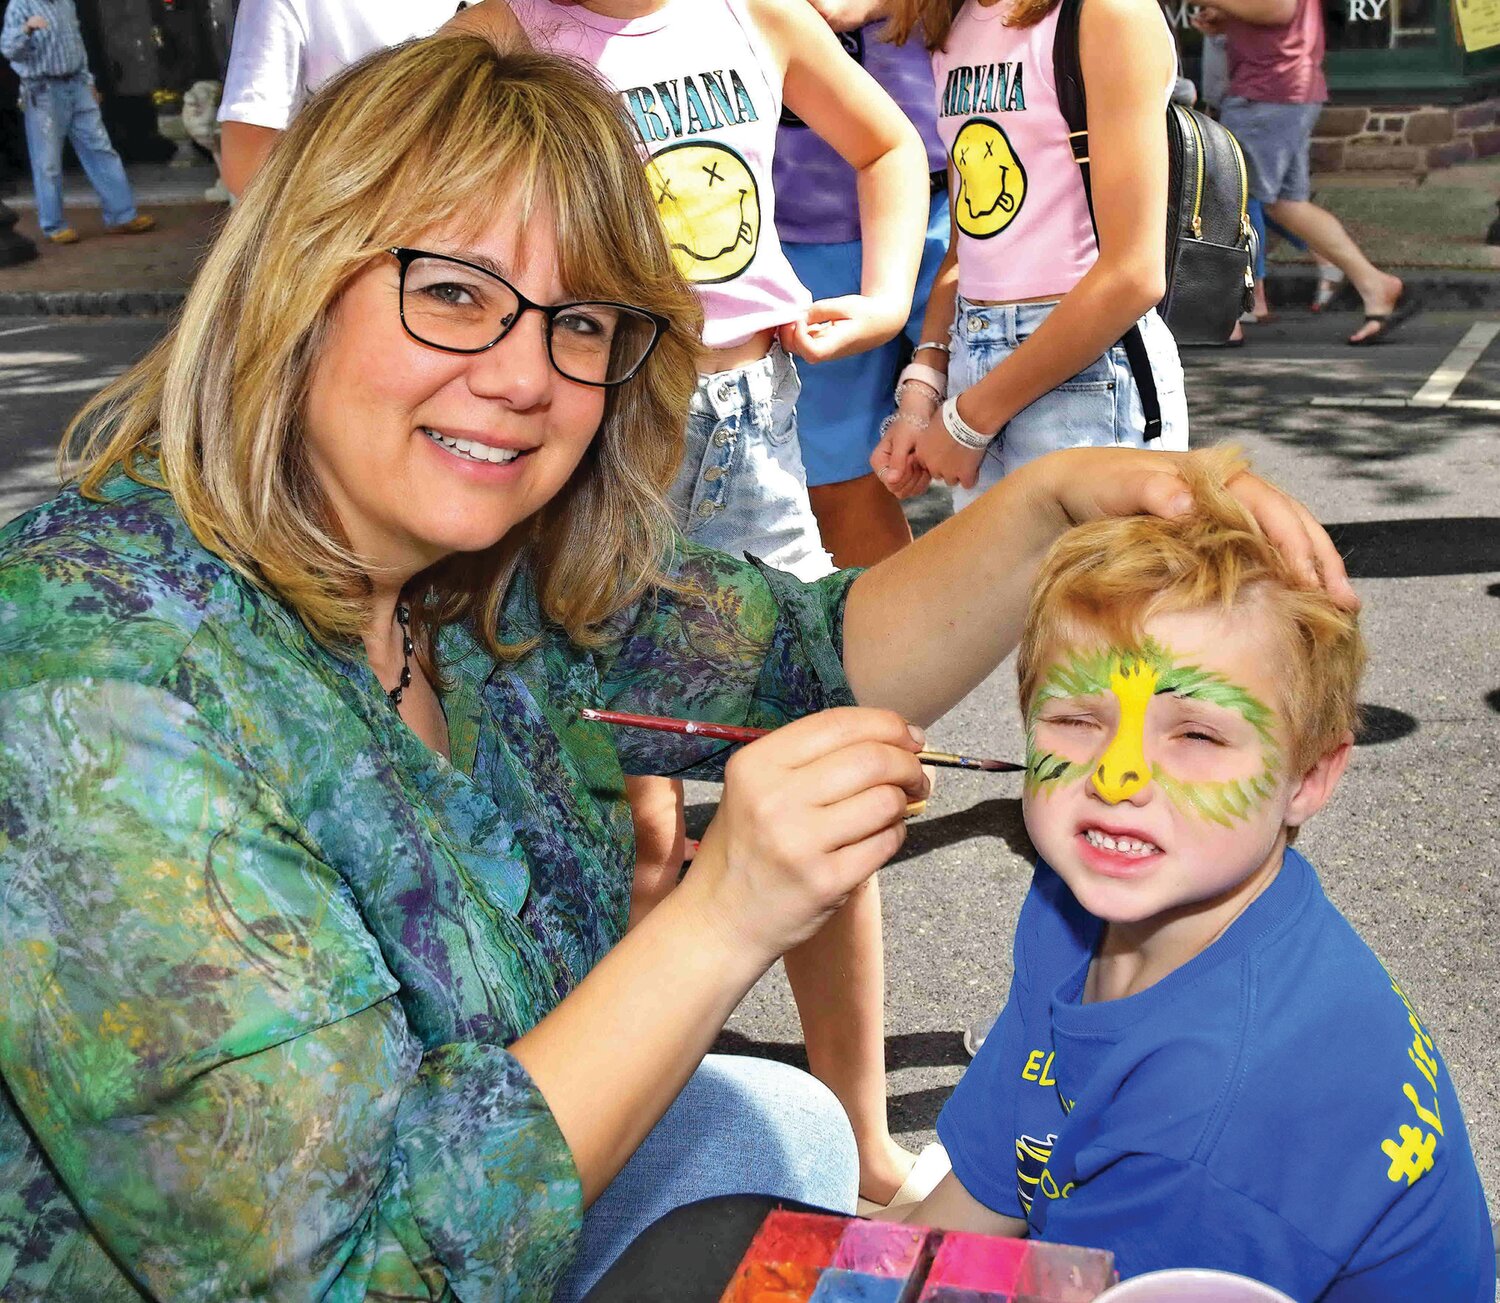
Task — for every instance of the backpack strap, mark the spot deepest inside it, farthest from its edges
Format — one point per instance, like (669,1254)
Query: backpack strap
(1067,76)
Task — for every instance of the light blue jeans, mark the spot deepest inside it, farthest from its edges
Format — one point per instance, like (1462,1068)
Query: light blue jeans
(740,1126)
(1099,407)
(741,487)
(61,109)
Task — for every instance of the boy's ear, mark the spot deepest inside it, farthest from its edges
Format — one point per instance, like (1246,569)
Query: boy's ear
(1318,782)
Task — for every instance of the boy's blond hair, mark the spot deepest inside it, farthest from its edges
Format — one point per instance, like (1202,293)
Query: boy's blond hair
(1111,576)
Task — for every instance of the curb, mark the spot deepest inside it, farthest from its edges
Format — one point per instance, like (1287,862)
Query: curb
(1438,290)
(90,303)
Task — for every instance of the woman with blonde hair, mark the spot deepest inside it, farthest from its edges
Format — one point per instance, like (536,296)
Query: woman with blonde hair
(313,878)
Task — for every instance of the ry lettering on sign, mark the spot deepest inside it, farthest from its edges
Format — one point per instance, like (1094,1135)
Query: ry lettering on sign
(1367,11)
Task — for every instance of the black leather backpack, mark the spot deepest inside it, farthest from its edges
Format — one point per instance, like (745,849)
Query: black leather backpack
(1210,242)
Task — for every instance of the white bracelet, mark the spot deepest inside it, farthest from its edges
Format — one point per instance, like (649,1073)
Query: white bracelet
(930,376)
(932,343)
(960,431)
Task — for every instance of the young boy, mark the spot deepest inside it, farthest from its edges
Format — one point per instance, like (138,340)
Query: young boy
(1200,1063)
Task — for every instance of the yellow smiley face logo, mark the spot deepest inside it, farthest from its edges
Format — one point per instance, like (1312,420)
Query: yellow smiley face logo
(709,205)
(991,180)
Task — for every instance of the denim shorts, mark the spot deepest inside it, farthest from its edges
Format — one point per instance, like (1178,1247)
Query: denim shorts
(1277,140)
(1099,407)
(741,487)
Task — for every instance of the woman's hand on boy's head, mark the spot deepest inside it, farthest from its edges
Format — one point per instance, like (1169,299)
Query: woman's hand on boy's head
(1089,483)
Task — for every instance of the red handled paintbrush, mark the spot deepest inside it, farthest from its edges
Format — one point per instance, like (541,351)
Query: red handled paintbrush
(733,733)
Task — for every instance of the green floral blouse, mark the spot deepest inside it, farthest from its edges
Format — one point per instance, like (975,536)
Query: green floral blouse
(263,950)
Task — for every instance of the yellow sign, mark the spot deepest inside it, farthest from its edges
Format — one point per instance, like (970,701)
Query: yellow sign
(1478,23)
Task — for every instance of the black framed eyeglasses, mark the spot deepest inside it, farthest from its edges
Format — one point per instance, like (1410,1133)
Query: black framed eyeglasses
(460,307)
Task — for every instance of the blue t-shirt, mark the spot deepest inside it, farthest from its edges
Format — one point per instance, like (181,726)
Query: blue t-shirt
(1273,1107)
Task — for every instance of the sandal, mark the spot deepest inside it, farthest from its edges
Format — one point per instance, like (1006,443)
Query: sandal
(1406,308)
(932,1166)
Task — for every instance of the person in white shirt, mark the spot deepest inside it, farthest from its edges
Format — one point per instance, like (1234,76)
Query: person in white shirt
(285,49)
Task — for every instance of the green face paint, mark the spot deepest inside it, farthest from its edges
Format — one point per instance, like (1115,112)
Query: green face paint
(1133,676)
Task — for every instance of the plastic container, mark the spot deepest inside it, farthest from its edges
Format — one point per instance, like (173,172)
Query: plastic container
(1192,1285)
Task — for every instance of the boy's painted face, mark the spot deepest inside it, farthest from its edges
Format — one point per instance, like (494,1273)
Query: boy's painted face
(1156,774)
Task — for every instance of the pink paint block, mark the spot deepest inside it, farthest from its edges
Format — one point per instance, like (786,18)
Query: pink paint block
(881,1248)
(1062,1273)
(807,1238)
(981,1262)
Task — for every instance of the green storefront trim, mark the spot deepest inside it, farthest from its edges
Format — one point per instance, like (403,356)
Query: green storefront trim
(1439,73)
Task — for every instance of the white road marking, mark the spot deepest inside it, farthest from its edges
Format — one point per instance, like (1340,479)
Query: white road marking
(1447,378)
(1361,402)
(1441,385)
(22,330)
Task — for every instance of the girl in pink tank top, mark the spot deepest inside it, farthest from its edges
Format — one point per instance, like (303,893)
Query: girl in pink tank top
(705,82)
(1028,311)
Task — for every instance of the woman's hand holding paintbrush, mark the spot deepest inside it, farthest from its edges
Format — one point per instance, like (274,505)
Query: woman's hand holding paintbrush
(809,811)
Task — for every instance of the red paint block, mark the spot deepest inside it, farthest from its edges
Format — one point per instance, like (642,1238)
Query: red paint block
(807,1238)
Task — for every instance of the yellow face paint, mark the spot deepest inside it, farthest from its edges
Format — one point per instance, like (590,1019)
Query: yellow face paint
(1133,676)
(1122,769)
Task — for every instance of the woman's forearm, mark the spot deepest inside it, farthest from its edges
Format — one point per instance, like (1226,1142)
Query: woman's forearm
(925,626)
(613,1055)
(1089,319)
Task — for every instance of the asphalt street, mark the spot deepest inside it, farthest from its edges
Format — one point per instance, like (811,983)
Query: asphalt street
(1409,848)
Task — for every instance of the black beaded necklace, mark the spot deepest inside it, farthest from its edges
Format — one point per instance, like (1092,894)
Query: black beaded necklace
(403,618)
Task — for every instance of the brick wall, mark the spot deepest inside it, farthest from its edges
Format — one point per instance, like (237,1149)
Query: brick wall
(1408,138)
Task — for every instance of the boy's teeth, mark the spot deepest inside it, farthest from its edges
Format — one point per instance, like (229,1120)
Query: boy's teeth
(473,451)
(1121,845)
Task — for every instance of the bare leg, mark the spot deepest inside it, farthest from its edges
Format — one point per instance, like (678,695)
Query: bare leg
(838,979)
(1327,238)
(860,520)
(657,810)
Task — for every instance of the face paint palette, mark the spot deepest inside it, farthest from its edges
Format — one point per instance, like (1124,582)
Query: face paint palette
(813,1258)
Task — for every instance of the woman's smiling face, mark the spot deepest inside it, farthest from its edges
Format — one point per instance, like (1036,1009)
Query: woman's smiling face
(1156,773)
(384,412)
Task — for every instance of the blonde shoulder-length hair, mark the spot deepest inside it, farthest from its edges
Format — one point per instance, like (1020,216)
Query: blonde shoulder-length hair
(431,133)
(931,19)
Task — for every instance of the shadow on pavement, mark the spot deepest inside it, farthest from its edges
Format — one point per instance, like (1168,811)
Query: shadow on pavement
(1379,724)
(1408,549)
(941,1049)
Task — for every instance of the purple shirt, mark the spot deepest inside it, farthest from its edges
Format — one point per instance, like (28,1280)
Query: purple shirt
(816,201)
(1281,64)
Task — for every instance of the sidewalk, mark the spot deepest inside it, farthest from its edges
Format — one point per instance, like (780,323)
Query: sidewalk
(1431,234)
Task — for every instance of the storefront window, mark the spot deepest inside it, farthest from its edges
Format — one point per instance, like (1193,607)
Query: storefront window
(1382,24)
